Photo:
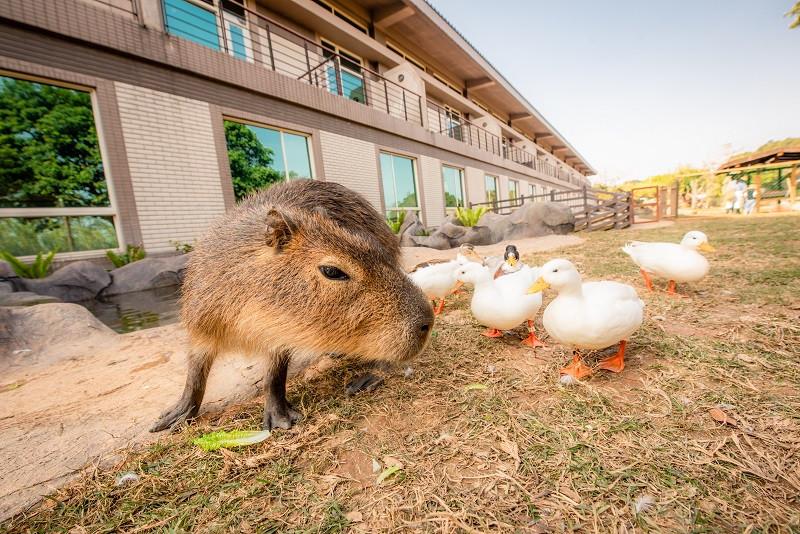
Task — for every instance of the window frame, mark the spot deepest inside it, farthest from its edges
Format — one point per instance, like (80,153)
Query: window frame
(281,129)
(224,34)
(462,177)
(496,180)
(417,191)
(111,210)
(516,189)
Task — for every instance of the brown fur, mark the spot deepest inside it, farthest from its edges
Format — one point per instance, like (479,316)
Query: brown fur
(253,284)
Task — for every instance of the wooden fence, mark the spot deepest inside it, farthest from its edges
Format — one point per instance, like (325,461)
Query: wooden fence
(594,209)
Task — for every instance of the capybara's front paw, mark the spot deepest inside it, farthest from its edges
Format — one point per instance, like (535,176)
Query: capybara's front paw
(175,417)
(365,382)
(281,417)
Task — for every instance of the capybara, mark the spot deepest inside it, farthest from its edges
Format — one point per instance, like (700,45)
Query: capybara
(300,270)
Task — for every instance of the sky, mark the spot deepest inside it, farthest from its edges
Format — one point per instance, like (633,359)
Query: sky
(642,87)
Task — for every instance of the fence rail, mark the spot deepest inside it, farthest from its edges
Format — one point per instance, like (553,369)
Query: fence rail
(594,209)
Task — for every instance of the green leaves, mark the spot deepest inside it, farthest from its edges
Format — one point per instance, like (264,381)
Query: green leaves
(249,159)
(470,216)
(228,439)
(38,269)
(132,253)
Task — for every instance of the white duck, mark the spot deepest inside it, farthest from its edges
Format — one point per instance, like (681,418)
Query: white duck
(674,262)
(438,280)
(502,303)
(588,315)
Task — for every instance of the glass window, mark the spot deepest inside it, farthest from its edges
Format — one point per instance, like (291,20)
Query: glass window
(513,189)
(453,187)
(350,81)
(28,236)
(261,156)
(239,49)
(490,182)
(532,191)
(50,160)
(190,21)
(399,183)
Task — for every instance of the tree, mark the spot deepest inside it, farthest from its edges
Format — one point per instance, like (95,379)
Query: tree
(794,14)
(250,160)
(49,154)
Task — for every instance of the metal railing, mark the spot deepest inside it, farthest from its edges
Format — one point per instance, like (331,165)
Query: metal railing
(343,77)
(444,122)
(252,37)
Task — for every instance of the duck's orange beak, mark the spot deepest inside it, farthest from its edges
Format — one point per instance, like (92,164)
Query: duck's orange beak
(706,247)
(539,285)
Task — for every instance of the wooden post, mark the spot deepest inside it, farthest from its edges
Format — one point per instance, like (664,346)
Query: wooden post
(758,192)
(658,203)
(677,199)
(793,185)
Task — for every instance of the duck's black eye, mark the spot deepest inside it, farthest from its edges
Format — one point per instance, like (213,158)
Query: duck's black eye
(333,273)
(555,270)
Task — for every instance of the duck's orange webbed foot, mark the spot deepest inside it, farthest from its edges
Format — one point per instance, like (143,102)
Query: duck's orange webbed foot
(492,332)
(577,369)
(439,308)
(532,340)
(615,363)
(647,281)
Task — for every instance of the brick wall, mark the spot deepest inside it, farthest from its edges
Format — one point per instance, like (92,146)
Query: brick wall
(173,165)
(352,163)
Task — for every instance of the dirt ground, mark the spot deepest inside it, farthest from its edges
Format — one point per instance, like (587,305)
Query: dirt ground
(74,392)
(699,433)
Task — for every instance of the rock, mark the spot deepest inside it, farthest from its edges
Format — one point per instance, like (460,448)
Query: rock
(78,281)
(25,298)
(451,230)
(6,287)
(410,220)
(531,220)
(476,235)
(407,240)
(438,241)
(452,219)
(6,271)
(148,273)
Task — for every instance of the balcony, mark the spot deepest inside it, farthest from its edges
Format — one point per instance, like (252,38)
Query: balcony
(230,27)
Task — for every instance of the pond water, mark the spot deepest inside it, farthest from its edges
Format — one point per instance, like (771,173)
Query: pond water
(137,311)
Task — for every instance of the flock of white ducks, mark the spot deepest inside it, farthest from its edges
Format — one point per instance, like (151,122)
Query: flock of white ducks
(583,315)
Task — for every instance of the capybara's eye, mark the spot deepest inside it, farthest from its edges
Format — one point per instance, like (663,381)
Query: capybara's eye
(333,273)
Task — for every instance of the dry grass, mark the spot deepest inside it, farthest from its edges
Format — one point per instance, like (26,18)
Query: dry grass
(637,451)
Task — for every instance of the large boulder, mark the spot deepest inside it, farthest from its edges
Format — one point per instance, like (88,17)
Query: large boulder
(148,273)
(411,227)
(531,220)
(476,235)
(78,281)
(451,230)
(438,241)
(6,271)
(24,298)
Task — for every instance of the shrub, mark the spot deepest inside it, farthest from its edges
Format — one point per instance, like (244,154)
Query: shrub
(470,216)
(38,269)
(183,248)
(397,221)
(132,253)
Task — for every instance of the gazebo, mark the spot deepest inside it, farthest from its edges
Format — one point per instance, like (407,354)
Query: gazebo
(767,171)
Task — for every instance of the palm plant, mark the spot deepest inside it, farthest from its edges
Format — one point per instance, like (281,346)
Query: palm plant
(132,253)
(38,269)
(397,221)
(470,216)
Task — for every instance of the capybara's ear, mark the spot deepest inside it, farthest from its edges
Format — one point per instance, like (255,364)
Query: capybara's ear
(279,229)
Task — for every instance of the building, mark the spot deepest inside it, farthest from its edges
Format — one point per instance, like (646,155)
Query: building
(383,96)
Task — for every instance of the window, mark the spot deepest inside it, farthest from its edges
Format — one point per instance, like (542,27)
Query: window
(345,77)
(399,184)
(532,191)
(260,156)
(490,183)
(53,189)
(453,187)
(513,189)
(197,20)
(445,81)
